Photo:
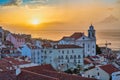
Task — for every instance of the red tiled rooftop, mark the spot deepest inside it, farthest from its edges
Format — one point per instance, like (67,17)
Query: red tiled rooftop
(19,36)
(77,35)
(109,68)
(5,66)
(40,68)
(31,46)
(8,43)
(47,71)
(7,75)
(94,56)
(87,61)
(9,63)
(46,45)
(28,75)
(16,61)
(64,76)
(43,72)
(65,38)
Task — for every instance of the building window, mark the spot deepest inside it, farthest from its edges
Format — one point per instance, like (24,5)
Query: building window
(59,61)
(67,51)
(59,51)
(66,56)
(38,53)
(45,52)
(74,56)
(88,50)
(72,51)
(88,45)
(83,38)
(93,51)
(41,50)
(79,56)
(62,57)
(88,76)
(63,52)
(45,57)
(42,56)
(71,57)
(74,61)
(97,68)
(83,45)
(68,61)
(59,57)
(98,73)
(50,51)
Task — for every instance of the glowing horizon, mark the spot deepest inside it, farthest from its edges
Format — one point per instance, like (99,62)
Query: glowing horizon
(58,18)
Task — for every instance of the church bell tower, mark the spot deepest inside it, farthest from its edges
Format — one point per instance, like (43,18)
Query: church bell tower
(91,32)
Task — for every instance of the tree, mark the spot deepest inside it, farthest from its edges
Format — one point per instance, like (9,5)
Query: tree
(69,71)
(98,50)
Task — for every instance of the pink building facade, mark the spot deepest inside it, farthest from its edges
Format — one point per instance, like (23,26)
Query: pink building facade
(16,39)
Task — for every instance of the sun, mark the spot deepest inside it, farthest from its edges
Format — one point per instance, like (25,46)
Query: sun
(35,21)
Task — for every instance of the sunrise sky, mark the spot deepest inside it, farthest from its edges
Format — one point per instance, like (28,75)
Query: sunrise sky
(52,19)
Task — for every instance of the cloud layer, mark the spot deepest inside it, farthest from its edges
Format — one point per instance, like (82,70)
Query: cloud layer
(33,2)
(110,19)
(13,2)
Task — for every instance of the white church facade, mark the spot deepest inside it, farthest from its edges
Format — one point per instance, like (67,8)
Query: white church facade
(80,39)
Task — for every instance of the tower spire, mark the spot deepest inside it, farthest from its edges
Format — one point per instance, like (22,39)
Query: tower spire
(91,32)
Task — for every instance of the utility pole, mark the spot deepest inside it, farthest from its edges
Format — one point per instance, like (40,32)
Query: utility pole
(106,45)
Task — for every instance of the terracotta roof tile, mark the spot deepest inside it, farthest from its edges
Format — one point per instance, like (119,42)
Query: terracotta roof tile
(109,68)
(64,76)
(28,75)
(7,75)
(5,66)
(40,68)
(77,35)
(47,70)
(87,61)
(46,45)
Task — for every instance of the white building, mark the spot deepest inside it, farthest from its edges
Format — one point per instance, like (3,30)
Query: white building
(116,75)
(105,72)
(80,39)
(59,56)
